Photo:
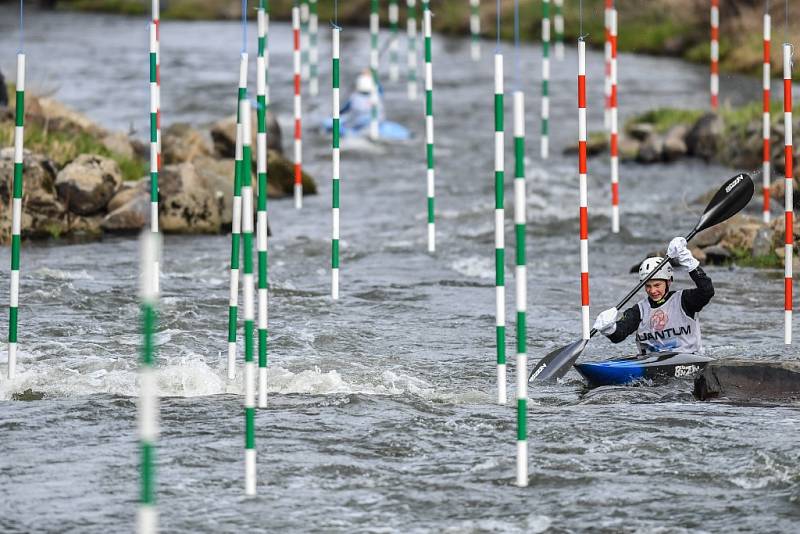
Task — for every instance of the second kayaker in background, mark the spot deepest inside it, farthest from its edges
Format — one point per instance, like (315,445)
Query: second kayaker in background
(665,320)
(357,111)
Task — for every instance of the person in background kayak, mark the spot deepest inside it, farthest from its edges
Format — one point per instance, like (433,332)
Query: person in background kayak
(357,111)
(665,320)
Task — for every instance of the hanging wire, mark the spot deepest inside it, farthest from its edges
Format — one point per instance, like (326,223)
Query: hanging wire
(244,26)
(516,46)
(336,13)
(21,27)
(580,19)
(497,10)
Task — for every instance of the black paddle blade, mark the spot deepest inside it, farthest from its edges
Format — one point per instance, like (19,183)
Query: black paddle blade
(557,363)
(729,200)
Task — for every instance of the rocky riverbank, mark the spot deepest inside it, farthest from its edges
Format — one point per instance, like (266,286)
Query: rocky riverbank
(678,28)
(82,181)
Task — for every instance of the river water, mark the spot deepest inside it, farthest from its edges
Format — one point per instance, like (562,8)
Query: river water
(382,413)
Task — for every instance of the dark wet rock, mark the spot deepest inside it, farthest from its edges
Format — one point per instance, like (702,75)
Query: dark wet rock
(187,205)
(674,144)
(281,177)
(704,137)
(717,255)
(131,217)
(87,183)
(595,145)
(651,149)
(748,380)
(180,142)
(223,134)
(43,214)
(641,131)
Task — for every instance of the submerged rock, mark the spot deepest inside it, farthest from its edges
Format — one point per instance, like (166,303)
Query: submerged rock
(747,380)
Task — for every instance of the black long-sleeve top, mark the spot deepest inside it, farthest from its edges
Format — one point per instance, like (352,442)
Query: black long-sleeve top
(692,301)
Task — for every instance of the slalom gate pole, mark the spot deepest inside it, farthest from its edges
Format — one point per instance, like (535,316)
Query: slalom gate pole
(16,214)
(714,55)
(298,112)
(155,102)
(247,297)
(394,15)
(236,223)
(335,177)
(148,409)
(262,227)
(374,22)
(475,29)
(583,208)
(499,220)
(558,26)
(520,278)
(766,167)
(789,190)
(411,32)
(313,52)
(305,14)
(545,136)
(614,137)
(431,176)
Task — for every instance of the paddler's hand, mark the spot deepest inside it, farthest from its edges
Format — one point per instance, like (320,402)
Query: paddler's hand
(606,322)
(677,250)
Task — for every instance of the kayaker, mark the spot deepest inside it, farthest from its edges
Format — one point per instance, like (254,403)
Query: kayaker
(357,111)
(665,320)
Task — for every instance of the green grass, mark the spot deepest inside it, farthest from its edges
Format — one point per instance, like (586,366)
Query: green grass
(665,118)
(744,258)
(62,147)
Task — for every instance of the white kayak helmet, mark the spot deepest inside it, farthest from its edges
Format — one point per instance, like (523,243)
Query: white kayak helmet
(364,83)
(650,264)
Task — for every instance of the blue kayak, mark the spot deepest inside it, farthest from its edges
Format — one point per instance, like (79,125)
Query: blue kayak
(657,366)
(387,130)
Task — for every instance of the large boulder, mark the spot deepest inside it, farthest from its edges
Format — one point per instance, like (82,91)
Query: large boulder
(223,134)
(43,214)
(748,380)
(87,183)
(281,177)
(180,142)
(704,136)
(674,144)
(58,117)
(651,149)
(119,143)
(187,205)
(128,191)
(131,217)
(776,193)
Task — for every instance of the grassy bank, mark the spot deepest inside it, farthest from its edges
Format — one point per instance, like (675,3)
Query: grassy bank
(677,28)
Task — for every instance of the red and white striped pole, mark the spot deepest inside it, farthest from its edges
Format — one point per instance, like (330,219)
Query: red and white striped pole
(787,120)
(714,55)
(614,126)
(584,207)
(766,168)
(609,5)
(298,113)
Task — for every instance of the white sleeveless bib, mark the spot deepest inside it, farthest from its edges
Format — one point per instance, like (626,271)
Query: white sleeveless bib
(667,328)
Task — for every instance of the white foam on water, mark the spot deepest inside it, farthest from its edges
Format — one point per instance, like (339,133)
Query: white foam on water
(475,266)
(58,274)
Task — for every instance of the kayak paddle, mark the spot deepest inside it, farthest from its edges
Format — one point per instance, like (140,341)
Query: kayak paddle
(727,202)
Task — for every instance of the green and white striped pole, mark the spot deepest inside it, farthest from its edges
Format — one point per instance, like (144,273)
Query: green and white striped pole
(429,127)
(411,32)
(558,26)
(521,288)
(16,216)
(499,226)
(394,15)
(374,22)
(236,224)
(305,14)
(147,515)
(475,29)
(247,297)
(261,229)
(155,129)
(335,176)
(313,53)
(545,146)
